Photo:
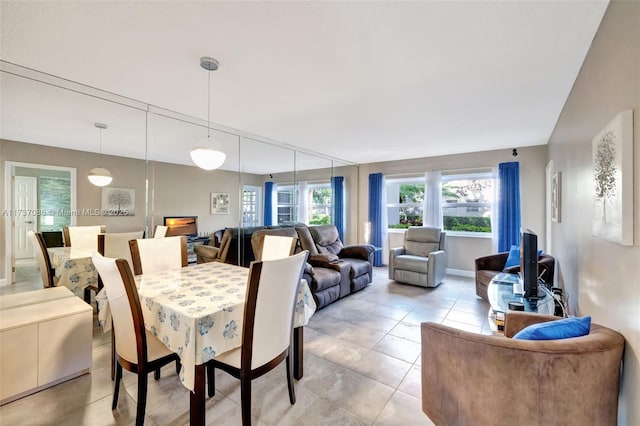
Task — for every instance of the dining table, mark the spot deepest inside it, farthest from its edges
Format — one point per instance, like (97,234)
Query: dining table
(197,312)
(73,268)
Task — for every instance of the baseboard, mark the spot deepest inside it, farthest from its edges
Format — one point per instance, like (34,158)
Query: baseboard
(460,272)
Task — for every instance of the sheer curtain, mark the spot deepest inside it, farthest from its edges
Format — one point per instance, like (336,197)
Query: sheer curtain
(432,208)
(270,203)
(303,208)
(494,210)
(508,205)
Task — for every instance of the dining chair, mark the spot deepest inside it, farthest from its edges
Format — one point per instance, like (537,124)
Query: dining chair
(85,237)
(276,247)
(158,254)
(114,245)
(53,238)
(267,330)
(137,350)
(42,256)
(160,231)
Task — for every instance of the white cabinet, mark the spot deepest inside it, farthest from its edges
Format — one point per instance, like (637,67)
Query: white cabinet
(45,338)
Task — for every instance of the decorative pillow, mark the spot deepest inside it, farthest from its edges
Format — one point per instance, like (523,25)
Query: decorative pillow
(553,330)
(514,257)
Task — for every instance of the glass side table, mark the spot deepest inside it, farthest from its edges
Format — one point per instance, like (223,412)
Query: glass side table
(500,292)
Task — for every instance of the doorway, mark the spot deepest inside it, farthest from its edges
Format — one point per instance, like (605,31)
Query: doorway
(40,198)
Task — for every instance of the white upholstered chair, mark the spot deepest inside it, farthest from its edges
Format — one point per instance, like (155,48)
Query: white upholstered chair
(160,231)
(158,254)
(422,260)
(267,327)
(116,245)
(277,247)
(83,237)
(137,350)
(42,256)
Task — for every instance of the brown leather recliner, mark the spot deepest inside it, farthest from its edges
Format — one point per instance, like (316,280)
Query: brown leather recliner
(488,267)
(354,262)
(475,379)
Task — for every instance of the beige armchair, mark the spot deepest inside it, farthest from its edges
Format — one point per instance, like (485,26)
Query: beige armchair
(475,379)
(422,260)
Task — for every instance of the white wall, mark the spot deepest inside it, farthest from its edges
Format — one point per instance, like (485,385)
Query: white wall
(602,278)
(463,250)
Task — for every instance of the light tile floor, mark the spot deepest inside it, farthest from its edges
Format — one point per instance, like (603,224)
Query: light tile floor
(362,367)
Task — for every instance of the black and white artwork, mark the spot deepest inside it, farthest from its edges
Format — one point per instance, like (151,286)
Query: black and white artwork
(219,203)
(118,201)
(613,180)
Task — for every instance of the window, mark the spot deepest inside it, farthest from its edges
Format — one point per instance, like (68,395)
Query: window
(467,202)
(251,202)
(321,204)
(405,199)
(287,202)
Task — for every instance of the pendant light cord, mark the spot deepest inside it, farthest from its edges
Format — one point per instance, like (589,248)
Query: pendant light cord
(209,105)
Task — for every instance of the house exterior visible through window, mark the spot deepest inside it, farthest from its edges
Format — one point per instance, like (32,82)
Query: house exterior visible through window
(251,202)
(467,202)
(311,203)
(405,200)
(320,204)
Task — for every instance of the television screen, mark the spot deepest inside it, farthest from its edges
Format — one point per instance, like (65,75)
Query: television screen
(181,225)
(529,263)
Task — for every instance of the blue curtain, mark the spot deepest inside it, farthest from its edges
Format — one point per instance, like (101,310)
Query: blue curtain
(337,185)
(269,188)
(376,210)
(508,205)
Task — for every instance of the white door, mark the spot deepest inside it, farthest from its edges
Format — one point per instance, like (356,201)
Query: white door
(25,204)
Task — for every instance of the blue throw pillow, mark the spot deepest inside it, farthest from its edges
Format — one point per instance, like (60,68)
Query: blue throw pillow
(514,257)
(553,330)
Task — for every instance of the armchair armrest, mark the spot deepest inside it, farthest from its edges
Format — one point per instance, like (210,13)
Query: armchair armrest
(206,253)
(494,262)
(397,251)
(437,267)
(358,251)
(516,321)
(323,260)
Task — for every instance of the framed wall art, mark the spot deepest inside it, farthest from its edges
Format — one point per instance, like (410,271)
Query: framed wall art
(613,180)
(118,202)
(219,203)
(556,197)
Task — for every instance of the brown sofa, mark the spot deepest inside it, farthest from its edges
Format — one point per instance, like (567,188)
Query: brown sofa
(488,267)
(475,379)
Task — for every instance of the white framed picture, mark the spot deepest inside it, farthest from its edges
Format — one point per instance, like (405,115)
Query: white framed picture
(219,203)
(612,152)
(556,197)
(118,202)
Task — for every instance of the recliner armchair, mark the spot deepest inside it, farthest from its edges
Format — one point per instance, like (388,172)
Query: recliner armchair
(422,260)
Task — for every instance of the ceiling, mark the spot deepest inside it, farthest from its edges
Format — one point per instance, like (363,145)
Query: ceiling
(360,81)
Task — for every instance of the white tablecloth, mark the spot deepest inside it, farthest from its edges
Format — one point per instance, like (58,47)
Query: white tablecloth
(197,311)
(73,268)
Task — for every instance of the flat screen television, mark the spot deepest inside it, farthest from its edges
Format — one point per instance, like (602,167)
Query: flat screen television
(181,225)
(529,264)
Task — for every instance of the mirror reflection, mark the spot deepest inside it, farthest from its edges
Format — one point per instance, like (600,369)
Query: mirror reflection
(49,143)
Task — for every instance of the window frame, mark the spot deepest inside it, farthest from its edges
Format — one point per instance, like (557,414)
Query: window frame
(409,180)
(256,205)
(491,205)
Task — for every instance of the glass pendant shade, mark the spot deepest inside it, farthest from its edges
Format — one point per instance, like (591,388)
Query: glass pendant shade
(100,176)
(208,158)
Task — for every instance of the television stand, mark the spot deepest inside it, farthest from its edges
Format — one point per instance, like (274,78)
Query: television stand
(192,242)
(501,292)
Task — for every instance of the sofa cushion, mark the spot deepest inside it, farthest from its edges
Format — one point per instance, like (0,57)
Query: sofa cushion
(413,263)
(326,239)
(324,278)
(514,257)
(358,266)
(553,330)
(421,241)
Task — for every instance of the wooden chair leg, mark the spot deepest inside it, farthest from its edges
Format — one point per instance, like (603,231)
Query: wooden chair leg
(116,390)
(142,398)
(178,365)
(211,380)
(156,374)
(245,396)
(87,295)
(292,391)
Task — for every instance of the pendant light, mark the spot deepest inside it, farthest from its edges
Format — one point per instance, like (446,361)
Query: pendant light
(210,155)
(100,176)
